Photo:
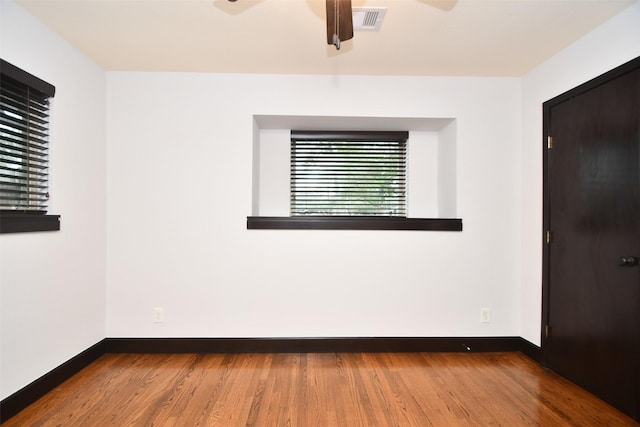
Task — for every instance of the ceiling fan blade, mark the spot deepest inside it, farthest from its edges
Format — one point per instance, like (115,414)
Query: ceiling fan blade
(339,22)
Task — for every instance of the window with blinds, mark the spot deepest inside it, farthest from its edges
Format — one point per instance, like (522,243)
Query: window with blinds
(348,173)
(24,133)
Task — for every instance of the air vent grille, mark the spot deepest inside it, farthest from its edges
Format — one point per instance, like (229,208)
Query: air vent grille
(368,18)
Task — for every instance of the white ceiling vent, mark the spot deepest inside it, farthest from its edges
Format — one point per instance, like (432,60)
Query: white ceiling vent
(368,18)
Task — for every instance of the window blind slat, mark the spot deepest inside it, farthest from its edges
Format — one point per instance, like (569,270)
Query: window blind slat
(24,154)
(23,125)
(32,175)
(21,139)
(36,108)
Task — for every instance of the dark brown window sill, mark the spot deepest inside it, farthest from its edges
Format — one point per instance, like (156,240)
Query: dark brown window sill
(352,223)
(28,222)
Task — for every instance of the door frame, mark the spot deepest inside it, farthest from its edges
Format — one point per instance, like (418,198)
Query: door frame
(546,118)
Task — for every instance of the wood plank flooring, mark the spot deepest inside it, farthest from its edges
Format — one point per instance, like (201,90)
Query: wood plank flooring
(318,389)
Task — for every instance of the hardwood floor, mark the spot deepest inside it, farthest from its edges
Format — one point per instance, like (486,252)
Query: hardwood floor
(318,389)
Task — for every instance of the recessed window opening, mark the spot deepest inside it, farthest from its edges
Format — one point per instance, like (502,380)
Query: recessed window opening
(348,173)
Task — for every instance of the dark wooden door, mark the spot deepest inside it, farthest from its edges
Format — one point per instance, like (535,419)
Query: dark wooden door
(593,200)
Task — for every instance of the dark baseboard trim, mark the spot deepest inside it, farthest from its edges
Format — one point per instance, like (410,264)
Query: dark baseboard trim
(312,345)
(530,350)
(15,403)
(24,397)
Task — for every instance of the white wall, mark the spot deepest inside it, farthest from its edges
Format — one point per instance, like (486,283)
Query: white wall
(613,43)
(52,285)
(180,189)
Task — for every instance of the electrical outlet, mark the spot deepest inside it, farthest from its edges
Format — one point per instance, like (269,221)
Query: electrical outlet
(158,315)
(485,315)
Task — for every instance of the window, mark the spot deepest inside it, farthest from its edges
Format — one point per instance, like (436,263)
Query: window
(348,173)
(24,168)
(337,180)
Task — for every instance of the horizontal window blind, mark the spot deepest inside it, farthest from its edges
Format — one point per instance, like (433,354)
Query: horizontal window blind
(348,173)
(24,134)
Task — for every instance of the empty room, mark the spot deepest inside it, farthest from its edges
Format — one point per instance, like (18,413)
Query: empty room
(319,212)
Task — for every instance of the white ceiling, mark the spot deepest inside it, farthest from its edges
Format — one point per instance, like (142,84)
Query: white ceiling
(418,37)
